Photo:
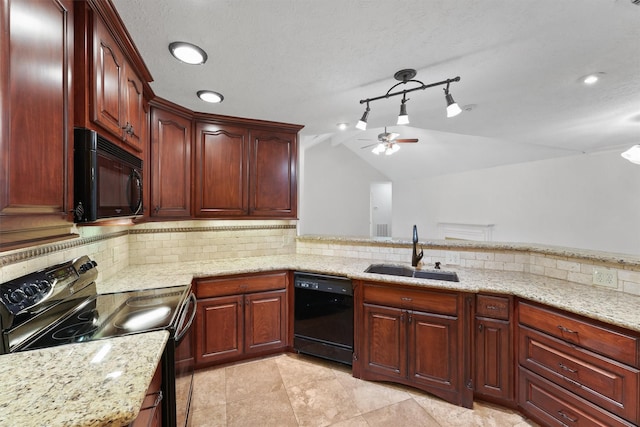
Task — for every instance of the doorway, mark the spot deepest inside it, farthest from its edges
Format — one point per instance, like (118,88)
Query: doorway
(380,210)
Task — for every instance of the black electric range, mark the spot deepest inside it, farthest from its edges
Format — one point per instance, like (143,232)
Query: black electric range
(59,305)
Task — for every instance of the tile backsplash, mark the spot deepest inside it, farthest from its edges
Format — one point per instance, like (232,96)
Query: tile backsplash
(572,265)
(116,247)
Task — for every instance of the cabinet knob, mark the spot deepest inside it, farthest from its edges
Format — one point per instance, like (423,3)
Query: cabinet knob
(156,209)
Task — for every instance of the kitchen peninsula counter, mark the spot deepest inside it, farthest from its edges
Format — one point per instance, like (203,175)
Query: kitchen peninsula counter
(60,386)
(610,306)
(96,383)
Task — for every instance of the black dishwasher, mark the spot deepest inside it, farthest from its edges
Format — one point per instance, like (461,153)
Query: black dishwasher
(323,324)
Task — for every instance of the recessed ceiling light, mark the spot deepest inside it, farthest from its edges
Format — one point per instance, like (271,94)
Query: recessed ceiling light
(188,53)
(343,126)
(591,79)
(210,96)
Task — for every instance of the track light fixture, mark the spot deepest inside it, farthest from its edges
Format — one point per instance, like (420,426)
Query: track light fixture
(406,76)
(362,123)
(403,117)
(453,109)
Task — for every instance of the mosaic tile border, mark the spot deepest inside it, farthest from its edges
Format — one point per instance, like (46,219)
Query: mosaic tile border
(30,253)
(212,228)
(35,252)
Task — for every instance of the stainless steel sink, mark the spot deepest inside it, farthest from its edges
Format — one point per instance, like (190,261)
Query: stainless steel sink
(400,270)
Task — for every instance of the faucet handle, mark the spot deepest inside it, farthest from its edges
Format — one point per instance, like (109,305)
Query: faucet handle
(421,254)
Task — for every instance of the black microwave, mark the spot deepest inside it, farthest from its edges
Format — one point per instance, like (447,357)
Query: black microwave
(107,179)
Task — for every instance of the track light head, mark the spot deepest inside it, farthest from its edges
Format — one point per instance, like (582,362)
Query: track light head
(453,109)
(362,123)
(403,117)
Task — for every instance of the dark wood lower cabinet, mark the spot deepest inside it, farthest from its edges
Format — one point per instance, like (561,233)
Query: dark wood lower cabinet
(265,321)
(576,371)
(150,414)
(554,406)
(220,326)
(403,341)
(240,325)
(494,349)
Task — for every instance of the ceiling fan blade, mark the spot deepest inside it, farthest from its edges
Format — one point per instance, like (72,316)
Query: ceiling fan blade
(407,140)
(369,146)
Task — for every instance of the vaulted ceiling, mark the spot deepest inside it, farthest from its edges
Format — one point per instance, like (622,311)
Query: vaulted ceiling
(310,62)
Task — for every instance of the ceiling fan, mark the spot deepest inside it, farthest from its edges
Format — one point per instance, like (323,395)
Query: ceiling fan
(388,143)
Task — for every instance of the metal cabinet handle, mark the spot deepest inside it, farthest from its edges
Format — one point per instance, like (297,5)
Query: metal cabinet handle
(481,327)
(566,368)
(406,299)
(491,307)
(567,417)
(566,330)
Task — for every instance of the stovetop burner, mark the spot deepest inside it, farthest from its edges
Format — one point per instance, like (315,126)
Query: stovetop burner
(75,332)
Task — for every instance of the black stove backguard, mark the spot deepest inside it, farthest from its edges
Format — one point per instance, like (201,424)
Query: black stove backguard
(32,302)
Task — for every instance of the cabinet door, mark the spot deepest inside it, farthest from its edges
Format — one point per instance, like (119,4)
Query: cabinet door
(221,171)
(134,115)
(385,341)
(434,356)
(108,69)
(170,164)
(36,109)
(493,359)
(265,321)
(273,174)
(219,324)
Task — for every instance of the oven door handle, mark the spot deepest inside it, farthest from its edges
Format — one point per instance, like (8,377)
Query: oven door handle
(182,329)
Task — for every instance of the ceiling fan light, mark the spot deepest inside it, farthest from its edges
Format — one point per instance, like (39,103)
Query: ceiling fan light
(392,149)
(453,109)
(380,148)
(362,123)
(632,154)
(188,53)
(403,117)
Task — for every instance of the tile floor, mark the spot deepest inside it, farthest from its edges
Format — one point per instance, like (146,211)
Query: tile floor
(294,390)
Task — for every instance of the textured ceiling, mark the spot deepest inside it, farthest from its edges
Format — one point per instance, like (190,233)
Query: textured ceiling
(310,62)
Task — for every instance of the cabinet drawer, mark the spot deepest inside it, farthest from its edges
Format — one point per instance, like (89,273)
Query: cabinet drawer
(492,307)
(607,383)
(431,302)
(616,345)
(220,286)
(553,405)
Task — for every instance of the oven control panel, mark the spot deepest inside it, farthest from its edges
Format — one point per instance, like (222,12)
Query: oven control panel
(323,283)
(34,290)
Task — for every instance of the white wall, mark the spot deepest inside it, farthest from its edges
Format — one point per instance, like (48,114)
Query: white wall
(586,201)
(334,191)
(589,201)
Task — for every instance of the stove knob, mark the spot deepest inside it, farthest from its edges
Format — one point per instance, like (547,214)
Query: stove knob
(43,285)
(30,289)
(17,296)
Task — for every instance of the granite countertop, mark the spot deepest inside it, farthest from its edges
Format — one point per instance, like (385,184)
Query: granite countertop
(598,303)
(96,383)
(68,385)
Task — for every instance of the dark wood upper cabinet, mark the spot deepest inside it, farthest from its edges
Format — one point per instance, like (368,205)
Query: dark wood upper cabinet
(221,170)
(245,171)
(36,109)
(273,174)
(170,164)
(111,77)
(107,81)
